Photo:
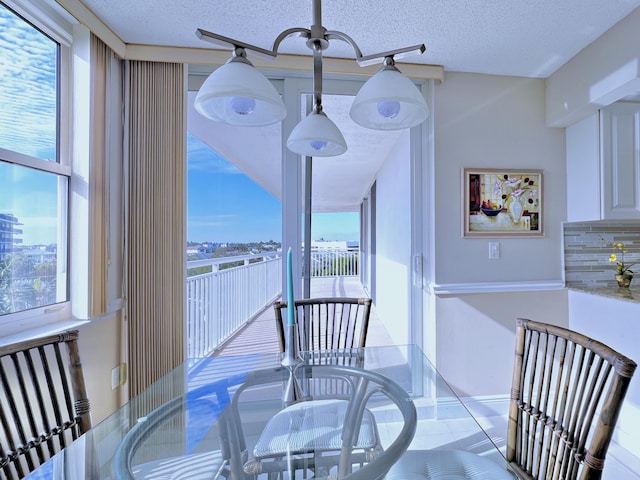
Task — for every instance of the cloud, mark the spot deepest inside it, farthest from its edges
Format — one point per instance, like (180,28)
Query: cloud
(211,221)
(202,158)
(28,65)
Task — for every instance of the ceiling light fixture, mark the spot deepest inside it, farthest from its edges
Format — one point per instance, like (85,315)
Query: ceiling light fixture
(238,94)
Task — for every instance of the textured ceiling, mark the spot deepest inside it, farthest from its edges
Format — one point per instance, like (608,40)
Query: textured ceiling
(530,38)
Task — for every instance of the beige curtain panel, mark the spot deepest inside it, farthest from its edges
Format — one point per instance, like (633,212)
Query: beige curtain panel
(98,190)
(155,143)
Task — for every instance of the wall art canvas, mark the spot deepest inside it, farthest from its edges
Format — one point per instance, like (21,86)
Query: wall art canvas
(502,203)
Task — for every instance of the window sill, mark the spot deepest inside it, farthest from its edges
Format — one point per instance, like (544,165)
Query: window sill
(37,326)
(42,331)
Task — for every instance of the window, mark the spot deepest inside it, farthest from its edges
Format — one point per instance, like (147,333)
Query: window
(34,169)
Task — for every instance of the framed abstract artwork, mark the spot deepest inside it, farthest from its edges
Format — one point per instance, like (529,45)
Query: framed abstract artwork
(502,203)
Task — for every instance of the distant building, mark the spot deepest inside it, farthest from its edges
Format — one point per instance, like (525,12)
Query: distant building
(9,241)
(200,248)
(326,245)
(39,254)
(195,249)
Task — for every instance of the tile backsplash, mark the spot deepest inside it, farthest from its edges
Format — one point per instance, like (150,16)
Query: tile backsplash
(587,248)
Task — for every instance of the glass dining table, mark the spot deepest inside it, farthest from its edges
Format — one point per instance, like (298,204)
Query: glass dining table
(207,419)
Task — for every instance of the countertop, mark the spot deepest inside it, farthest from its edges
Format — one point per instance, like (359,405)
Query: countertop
(631,294)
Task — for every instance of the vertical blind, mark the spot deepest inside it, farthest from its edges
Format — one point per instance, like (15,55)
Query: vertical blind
(155,219)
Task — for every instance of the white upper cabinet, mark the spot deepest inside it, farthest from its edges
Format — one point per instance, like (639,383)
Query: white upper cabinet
(620,160)
(583,170)
(603,165)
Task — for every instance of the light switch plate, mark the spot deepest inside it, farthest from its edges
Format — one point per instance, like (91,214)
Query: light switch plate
(118,375)
(115,377)
(494,249)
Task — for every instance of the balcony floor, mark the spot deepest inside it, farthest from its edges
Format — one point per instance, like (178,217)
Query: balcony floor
(259,335)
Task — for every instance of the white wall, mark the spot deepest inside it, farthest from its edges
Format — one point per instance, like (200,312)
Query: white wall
(600,74)
(100,341)
(475,336)
(393,241)
(493,122)
(99,346)
(614,323)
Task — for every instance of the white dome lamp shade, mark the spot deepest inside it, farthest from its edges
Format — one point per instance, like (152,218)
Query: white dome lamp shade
(317,136)
(389,101)
(238,94)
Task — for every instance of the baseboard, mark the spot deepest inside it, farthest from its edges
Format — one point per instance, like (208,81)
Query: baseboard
(487,405)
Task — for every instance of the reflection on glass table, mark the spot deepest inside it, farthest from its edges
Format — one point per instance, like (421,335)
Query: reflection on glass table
(199,435)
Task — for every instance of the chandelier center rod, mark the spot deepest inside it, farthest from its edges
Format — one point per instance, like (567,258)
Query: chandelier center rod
(317,33)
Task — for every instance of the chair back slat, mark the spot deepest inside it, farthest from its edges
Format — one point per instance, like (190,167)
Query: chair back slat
(327,323)
(567,392)
(65,383)
(43,402)
(38,398)
(27,392)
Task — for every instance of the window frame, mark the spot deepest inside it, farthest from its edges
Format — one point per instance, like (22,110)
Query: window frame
(58,26)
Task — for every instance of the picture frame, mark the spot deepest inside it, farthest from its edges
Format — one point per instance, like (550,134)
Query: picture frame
(502,202)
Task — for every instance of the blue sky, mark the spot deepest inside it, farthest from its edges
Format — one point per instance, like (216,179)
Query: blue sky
(30,82)
(224,205)
(28,125)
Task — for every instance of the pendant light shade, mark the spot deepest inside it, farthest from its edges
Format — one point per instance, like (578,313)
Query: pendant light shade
(238,94)
(389,101)
(317,136)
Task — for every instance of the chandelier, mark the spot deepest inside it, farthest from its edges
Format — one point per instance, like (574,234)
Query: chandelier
(238,94)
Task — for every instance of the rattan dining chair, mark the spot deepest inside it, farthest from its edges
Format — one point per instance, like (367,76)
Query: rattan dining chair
(331,330)
(327,323)
(566,394)
(43,401)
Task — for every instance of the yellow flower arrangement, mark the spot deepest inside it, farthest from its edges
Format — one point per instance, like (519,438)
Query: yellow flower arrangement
(621,267)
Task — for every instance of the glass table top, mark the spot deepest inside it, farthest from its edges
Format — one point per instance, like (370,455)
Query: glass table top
(180,425)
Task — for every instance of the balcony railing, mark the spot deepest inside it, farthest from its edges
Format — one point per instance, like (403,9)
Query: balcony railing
(334,262)
(222,301)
